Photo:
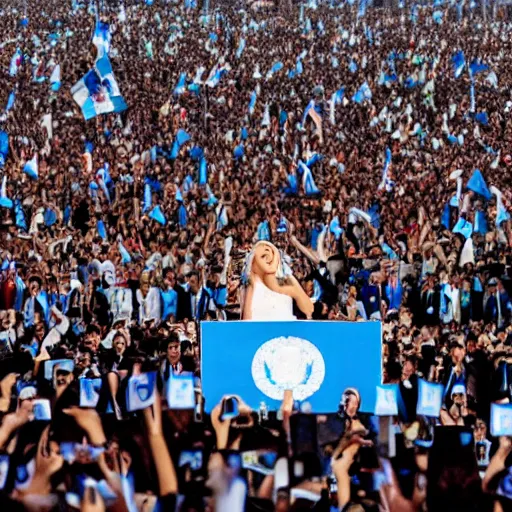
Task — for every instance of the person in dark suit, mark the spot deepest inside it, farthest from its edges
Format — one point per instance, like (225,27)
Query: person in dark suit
(194,301)
(430,301)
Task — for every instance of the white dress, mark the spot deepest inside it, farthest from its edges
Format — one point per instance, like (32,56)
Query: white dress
(269,305)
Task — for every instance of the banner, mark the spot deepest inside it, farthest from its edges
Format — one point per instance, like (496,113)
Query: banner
(317,360)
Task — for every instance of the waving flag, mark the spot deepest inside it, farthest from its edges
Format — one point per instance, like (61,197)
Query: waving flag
(97,92)
(263,231)
(158,215)
(459,63)
(501,212)
(274,69)
(125,255)
(55,78)
(180,87)
(477,67)
(5,202)
(463,227)
(31,169)
(308,181)
(477,184)
(16,62)
(252,102)
(203,172)
(102,38)
(4,147)
(387,163)
(101,229)
(10,101)
(241,47)
(492,79)
(363,93)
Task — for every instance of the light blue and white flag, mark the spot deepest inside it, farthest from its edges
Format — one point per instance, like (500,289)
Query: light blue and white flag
(362,8)
(158,215)
(5,202)
(502,215)
(459,63)
(31,168)
(363,93)
(241,47)
(472,106)
(97,92)
(336,98)
(387,163)
(125,255)
(492,79)
(147,198)
(310,105)
(16,61)
(308,181)
(437,16)
(216,74)
(55,78)
(10,101)
(102,38)
(263,231)
(463,227)
(180,86)
(274,69)
(335,228)
(252,102)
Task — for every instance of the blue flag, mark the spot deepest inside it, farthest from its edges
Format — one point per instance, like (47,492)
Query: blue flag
(98,92)
(463,227)
(477,66)
(482,118)
(21,221)
(147,198)
(252,102)
(182,215)
(238,152)
(308,182)
(477,184)
(102,231)
(445,218)
(180,87)
(158,215)
(363,93)
(263,231)
(31,168)
(203,172)
(125,255)
(10,101)
(182,137)
(4,147)
(480,224)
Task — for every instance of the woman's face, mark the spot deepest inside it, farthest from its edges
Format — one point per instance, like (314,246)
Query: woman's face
(266,259)
(119,344)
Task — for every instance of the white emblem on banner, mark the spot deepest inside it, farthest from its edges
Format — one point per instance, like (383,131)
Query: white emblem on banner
(288,363)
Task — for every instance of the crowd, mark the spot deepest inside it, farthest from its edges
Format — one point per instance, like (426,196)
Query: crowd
(370,146)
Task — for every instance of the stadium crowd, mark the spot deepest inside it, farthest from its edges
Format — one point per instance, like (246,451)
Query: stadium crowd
(370,146)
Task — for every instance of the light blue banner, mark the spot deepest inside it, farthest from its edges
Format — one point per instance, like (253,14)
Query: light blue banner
(318,360)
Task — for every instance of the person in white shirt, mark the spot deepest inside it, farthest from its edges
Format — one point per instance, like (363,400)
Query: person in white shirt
(148,298)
